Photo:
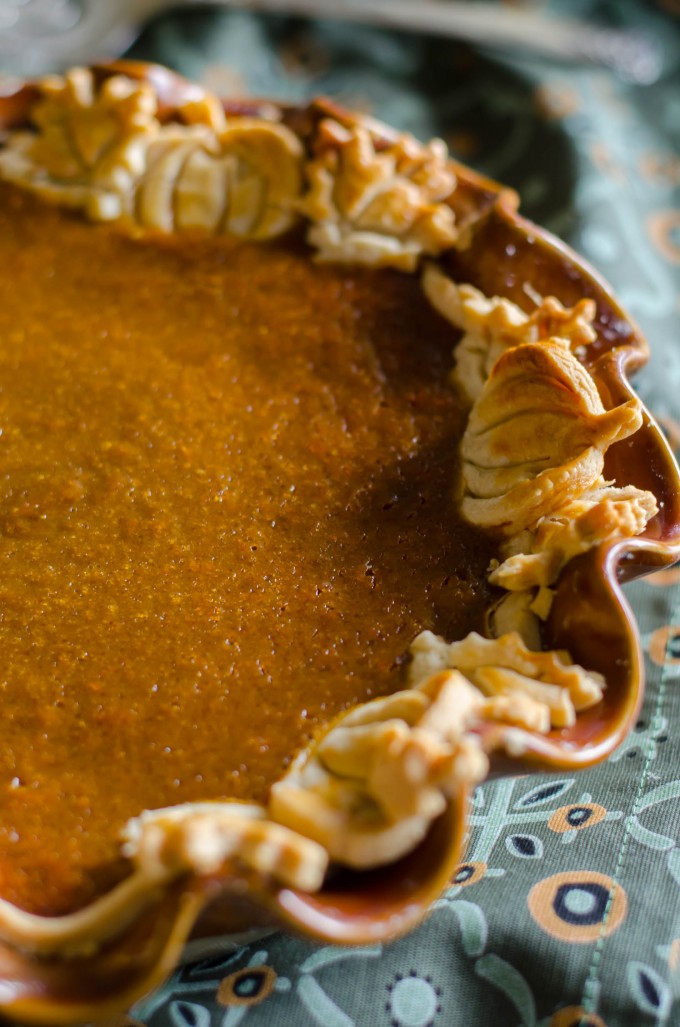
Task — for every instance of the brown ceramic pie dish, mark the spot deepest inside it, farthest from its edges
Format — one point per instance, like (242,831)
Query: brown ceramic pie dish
(278,588)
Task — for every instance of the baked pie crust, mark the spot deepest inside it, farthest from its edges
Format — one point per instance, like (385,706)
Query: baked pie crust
(138,148)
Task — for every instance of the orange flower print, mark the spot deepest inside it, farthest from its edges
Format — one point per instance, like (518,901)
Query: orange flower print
(575,1016)
(578,906)
(664,230)
(247,987)
(664,645)
(576,817)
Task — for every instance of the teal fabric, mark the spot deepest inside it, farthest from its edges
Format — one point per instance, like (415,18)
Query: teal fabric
(532,931)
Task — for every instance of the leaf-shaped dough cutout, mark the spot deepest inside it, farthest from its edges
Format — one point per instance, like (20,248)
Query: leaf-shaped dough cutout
(272,155)
(240,183)
(536,437)
(601,514)
(88,143)
(151,203)
(83,127)
(204,836)
(494,665)
(492,325)
(378,207)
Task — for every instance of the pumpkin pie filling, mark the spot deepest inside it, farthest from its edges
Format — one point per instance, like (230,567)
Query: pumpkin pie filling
(225,512)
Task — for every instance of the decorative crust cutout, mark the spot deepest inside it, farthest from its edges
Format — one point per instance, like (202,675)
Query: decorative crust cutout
(369,790)
(493,325)
(84,133)
(506,667)
(535,558)
(162,845)
(377,207)
(239,183)
(205,836)
(536,437)
(102,149)
(534,447)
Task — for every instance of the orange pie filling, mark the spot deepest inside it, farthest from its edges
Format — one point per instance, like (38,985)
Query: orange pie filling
(225,513)
(250,528)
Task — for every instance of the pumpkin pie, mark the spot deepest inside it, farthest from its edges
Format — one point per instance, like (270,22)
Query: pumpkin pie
(284,502)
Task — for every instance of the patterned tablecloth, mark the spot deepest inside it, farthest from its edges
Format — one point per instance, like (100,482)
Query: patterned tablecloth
(567,911)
